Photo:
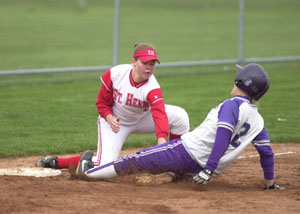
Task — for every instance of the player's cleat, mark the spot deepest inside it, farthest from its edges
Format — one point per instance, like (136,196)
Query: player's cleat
(48,162)
(85,162)
(274,186)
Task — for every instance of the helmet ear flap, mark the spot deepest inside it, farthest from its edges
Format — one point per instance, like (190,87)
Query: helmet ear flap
(238,81)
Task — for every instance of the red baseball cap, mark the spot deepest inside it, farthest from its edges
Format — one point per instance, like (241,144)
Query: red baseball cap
(146,55)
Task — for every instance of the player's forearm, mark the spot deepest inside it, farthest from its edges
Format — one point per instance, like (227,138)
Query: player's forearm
(268,167)
(222,141)
(105,100)
(160,120)
(104,112)
(104,106)
(266,161)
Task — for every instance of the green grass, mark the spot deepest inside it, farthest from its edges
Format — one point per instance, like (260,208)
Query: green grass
(58,33)
(200,89)
(40,110)
(54,113)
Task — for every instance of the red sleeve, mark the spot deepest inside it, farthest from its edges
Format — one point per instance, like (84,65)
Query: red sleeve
(158,112)
(105,96)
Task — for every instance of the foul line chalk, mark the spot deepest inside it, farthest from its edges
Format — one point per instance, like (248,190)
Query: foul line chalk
(276,154)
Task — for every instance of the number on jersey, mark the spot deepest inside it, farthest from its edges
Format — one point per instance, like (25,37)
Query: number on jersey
(244,130)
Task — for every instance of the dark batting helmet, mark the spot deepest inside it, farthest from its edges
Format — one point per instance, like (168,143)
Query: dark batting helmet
(252,79)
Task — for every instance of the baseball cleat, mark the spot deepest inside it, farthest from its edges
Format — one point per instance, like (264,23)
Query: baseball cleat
(48,162)
(85,162)
(274,186)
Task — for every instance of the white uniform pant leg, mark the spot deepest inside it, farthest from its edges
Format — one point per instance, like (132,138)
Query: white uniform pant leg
(102,172)
(145,125)
(109,142)
(178,121)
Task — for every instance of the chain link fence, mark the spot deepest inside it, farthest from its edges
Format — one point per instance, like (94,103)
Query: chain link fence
(87,35)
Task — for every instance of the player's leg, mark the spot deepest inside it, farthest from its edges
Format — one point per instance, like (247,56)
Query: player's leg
(109,147)
(178,121)
(170,156)
(109,142)
(56,162)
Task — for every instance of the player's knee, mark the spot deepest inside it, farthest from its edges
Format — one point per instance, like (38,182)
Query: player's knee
(183,115)
(181,120)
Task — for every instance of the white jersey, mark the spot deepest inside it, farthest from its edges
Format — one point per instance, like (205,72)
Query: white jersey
(130,103)
(141,109)
(248,125)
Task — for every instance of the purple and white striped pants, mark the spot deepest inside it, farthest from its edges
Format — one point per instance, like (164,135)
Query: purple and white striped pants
(167,157)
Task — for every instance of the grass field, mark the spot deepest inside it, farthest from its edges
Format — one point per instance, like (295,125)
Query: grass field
(58,33)
(54,113)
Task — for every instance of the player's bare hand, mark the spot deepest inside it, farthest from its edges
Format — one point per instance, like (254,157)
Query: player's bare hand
(114,123)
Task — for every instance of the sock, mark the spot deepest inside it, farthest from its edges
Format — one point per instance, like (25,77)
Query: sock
(174,136)
(63,163)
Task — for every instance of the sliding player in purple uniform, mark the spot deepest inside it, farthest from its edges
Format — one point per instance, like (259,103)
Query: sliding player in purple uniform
(210,148)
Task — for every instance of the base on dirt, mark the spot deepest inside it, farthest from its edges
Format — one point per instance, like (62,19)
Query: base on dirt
(30,171)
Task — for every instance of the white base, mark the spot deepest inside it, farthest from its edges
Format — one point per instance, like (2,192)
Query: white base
(31,171)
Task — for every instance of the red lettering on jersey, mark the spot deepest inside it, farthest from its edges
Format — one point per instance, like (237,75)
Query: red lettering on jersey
(117,96)
(140,104)
(129,99)
(135,102)
(132,101)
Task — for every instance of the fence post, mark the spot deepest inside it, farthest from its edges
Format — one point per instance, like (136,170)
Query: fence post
(241,32)
(116,32)
(82,4)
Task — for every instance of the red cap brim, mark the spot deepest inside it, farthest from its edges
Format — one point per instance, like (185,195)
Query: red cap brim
(148,58)
(146,55)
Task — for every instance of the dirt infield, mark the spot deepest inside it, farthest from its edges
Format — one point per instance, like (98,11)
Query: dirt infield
(238,190)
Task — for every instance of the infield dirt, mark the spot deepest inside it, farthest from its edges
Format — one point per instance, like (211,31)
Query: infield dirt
(238,190)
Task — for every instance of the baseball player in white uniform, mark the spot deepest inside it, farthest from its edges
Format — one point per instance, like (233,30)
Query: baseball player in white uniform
(130,101)
(210,148)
